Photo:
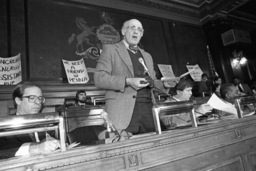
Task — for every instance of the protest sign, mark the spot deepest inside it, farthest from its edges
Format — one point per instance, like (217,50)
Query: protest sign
(168,74)
(10,70)
(166,70)
(196,72)
(76,71)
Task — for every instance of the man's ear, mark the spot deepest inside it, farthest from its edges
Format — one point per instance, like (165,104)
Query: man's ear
(178,92)
(123,31)
(227,96)
(17,101)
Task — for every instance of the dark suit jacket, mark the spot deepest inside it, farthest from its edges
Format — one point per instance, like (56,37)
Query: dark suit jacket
(11,144)
(247,89)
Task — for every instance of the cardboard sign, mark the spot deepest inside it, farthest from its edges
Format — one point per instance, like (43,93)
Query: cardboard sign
(10,70)
(166,70)
(196,72)
(76,71)
(168,74)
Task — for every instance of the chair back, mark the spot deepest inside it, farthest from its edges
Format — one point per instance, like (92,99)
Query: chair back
(25,124)
(172,108)
(244,100)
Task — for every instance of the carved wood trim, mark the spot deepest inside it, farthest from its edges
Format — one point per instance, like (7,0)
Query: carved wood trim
(134,153)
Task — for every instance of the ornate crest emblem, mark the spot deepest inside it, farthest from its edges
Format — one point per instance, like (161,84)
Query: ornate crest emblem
(133,160)
(90,40)
(107,34)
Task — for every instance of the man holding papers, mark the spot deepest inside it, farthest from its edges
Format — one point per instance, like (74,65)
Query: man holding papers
(183,93)
(226,105)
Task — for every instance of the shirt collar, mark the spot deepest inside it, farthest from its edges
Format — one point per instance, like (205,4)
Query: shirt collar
(81,104)
(126,44)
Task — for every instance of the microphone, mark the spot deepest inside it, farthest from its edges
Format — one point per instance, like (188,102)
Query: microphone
(144,66)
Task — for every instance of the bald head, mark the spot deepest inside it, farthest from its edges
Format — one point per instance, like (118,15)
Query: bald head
(130,22)
(228,92)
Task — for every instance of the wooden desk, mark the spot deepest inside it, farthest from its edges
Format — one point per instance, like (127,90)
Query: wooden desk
(228,145)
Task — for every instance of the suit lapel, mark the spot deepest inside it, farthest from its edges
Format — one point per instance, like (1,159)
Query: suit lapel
(123,53)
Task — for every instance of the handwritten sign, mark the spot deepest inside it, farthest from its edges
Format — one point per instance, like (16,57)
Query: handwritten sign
(76,71)
(10,70)
(166,70)
(197,73)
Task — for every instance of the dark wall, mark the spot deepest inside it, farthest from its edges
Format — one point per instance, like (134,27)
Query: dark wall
(44,32)
(189,46)
(222,55)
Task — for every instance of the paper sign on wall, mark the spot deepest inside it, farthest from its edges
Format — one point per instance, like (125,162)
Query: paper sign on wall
(197,73)
(10,70)
(76,71)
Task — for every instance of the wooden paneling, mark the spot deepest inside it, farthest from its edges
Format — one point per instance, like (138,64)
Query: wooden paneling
(252,159)
(216,147)
(4,28)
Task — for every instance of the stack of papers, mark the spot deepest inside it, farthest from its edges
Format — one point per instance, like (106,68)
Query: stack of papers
(221,105)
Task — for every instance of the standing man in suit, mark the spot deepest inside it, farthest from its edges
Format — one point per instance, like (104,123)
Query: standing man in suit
(127,73)
(27,99)
(243,89)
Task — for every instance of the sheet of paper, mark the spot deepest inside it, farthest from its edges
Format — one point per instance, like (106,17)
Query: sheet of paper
(166,70)
(219,104)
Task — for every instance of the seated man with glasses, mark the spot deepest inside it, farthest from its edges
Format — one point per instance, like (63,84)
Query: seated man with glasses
(27,99)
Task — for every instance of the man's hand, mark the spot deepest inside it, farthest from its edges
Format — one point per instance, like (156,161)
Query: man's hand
(47,146)
(150,81)
(137,83)
(203,109)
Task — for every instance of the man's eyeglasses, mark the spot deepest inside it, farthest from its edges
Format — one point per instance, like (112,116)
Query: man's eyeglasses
(33,98)
(133,28)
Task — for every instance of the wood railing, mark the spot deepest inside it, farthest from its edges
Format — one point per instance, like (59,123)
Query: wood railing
(25,124)
(55,96)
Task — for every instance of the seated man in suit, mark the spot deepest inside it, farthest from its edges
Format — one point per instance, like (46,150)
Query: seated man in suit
(216,86)
(228,93)
(204,86)
(243,89)
(254,88)
(28,99)
(183,93)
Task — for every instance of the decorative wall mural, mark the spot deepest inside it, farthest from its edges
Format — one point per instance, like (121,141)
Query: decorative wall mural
(71,32)
(82,37)
(104,34)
